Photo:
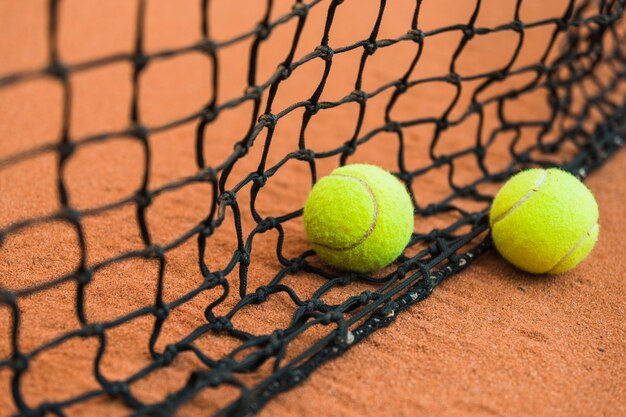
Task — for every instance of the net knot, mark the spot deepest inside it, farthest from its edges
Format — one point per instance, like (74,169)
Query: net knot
(455,259)
(439,246)
(261,294)
(213,378)
(140,60)
(466,191)
(405,177)
(469,32)
(312,108)
(443,124)
(401,86)
(360,96)
(118,388)
(429,210)
(313,305)
(511,95)
(162,312)
(332,317)
(260,179)
(19,362)
(84,276)
(215,278)
(295,265)
(92,329)
(434,234)
(478,218)
(480,151)
(283,71)
(561,25)
(210,114)
(208,174)
(541,68)
(253,92)
(138,131)
(517,26)
(207,46)
(403,270)
(300,9)
(392,126)
(453,78)
(268,119)
(221,323)
(498,75)
(154,252)
(475,107)
(262,31)
(244,257)
(268,223)
(57,69)
(225,363)
(66,149)
(169,354)
(349,148)
(416,35)
(325,52)
(305,155)
(370,48)
(365,297)
(46,408)
(227,198)
(276,339)
(70,214)
(7,297)
(208,230)
(241,149)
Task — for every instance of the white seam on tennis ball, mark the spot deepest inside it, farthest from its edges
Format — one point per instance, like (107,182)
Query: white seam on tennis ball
(522,200)
(374,219)
(576,246)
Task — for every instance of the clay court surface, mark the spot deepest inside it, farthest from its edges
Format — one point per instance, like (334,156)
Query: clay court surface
(490,341)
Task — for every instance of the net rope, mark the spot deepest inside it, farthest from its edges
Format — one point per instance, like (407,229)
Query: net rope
(587,45)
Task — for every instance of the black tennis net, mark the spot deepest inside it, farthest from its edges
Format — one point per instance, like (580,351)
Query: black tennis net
(581,71)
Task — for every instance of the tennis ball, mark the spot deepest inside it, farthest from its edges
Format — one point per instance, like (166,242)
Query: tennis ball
(359,218)
(544,221)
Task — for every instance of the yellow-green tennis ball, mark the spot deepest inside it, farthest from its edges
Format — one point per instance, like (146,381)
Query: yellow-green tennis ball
(359,218)
(544,221)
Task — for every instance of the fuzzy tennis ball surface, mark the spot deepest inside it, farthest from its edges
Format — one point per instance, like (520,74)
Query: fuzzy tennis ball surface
(359,218)
(544,221)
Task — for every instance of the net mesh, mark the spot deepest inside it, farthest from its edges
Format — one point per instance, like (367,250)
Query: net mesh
(579,76)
